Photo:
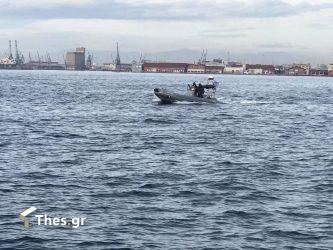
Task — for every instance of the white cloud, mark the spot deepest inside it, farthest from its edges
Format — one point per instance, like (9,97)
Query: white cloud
(152,25)
(46,4)
(157,9)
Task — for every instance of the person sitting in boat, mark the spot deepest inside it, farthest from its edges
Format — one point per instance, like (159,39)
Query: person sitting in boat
(200,90)
(193,88)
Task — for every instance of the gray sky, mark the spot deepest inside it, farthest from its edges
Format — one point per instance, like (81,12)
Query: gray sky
(239,26)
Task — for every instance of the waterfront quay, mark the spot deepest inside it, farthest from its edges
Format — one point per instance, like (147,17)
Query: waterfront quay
(80,60)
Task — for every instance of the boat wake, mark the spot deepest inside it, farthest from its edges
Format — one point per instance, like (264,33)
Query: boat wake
(254,102)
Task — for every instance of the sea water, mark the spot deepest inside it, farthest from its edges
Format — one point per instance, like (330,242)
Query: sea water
(253,171)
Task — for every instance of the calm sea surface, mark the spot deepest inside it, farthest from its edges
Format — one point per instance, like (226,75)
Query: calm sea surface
(254,171)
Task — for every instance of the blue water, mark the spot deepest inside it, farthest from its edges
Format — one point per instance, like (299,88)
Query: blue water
(254,171)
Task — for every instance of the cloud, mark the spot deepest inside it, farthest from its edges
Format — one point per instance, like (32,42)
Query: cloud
(42,4)
(227,36)
(155,25)
(274,45)
(156,9)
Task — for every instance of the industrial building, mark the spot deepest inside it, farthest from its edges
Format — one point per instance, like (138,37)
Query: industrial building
(330,69)
(259,69)
(196,69)
(76,60)
(43,65)
(137,66)
(204,69)
(319,72)
(299,70)
(164,67)
(235,68)
(214,69)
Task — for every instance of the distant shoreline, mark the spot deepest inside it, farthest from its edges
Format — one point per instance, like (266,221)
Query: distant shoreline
(152,73)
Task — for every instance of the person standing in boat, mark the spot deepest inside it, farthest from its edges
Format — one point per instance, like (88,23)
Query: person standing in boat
(201,90)
(211,83)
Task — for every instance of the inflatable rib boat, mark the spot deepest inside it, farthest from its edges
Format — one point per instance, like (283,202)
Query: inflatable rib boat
(168,97)
(195,93)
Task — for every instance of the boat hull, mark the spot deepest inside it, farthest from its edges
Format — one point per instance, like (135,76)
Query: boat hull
(168,97)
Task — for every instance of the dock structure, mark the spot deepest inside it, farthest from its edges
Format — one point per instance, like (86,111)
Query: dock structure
(116,65)
(77,61)
(9,62)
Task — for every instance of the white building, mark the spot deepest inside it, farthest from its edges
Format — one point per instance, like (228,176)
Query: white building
(236,69)
(109,66)
(254,71)
(7,61)
(330,67)
(137,67)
